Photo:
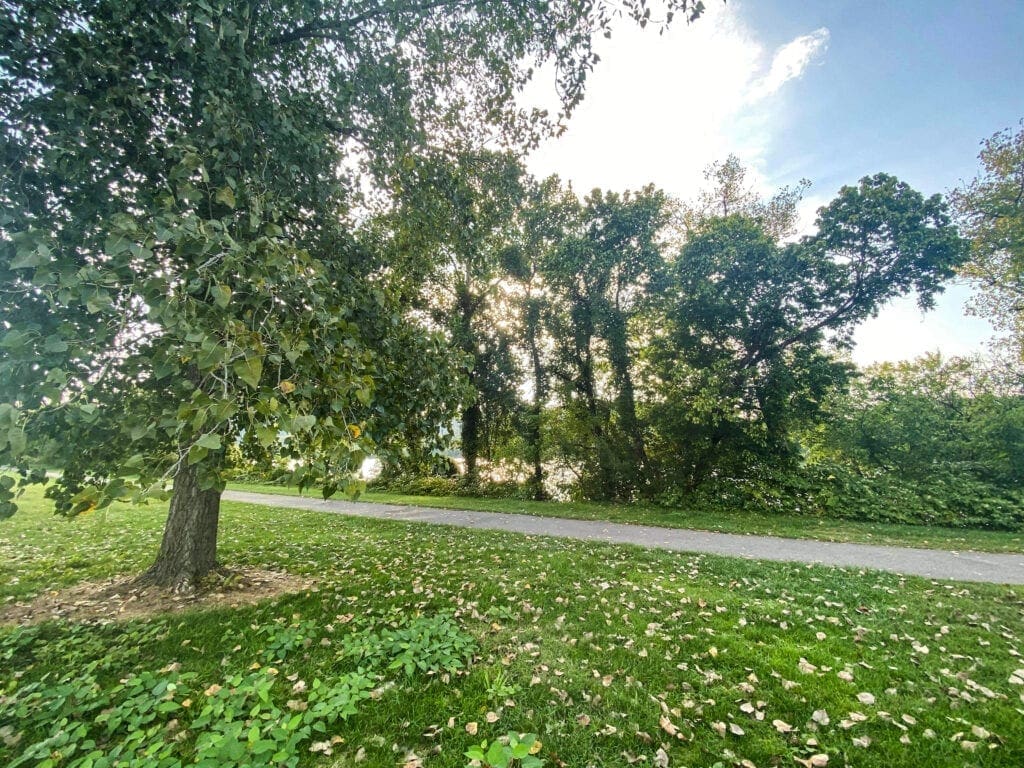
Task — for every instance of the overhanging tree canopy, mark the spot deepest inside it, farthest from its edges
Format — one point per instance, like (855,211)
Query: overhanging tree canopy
(178,268)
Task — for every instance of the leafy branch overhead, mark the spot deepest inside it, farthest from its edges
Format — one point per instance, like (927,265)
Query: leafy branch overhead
(182,197)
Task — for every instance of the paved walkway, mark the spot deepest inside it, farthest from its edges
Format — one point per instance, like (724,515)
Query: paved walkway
(931,563)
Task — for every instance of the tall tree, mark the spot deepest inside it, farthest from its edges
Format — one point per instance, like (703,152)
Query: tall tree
(744,358)
(548,217)
(728,192)
(603,270)
(176,207)
(455,231)
(990,211)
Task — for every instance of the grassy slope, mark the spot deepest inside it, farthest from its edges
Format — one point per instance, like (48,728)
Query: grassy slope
(754,522)
(598,642)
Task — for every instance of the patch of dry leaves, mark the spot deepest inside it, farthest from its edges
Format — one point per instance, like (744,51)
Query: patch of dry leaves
(120,598)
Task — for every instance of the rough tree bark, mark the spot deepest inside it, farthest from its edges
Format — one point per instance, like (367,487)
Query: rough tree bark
(188,550)
(625,401)
(534,435)
(471,441)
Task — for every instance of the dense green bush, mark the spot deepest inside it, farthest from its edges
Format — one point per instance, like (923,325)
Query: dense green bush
(452,486)
(950,497)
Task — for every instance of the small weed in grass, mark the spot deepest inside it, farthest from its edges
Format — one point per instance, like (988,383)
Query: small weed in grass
(514,750)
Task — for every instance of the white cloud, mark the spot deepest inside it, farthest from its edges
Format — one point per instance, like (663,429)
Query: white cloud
(659,109)
(789,62)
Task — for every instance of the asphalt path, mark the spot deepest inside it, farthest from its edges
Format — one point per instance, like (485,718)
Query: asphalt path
(930,563)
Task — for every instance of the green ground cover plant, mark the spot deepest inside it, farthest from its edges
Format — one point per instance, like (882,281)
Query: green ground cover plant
(608,655)
(756,519)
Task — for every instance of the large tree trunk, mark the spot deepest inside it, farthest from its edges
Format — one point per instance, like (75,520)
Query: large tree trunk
(471,441)
(533,438)
(189,548)
(619,356)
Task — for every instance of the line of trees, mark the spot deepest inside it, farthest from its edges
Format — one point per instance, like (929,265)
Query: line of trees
(625,346)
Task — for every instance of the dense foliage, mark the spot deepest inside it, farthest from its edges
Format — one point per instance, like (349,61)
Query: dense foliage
(263,715)
(713,374)
(180,249)
(990,210)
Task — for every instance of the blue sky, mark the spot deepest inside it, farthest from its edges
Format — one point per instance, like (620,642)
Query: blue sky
(906,87)
(829,90)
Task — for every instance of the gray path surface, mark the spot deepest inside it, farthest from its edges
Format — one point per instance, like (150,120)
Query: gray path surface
(932,563)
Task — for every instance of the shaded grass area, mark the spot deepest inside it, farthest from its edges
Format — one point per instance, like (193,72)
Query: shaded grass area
(609,653)
(757,522)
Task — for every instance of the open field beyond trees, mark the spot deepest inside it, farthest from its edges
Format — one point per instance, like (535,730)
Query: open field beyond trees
(417,642)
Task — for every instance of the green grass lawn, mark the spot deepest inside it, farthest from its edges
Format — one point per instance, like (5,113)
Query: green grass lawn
(754,521)
(612,655)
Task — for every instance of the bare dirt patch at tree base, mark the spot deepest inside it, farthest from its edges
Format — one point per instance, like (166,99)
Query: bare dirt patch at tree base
(121,598)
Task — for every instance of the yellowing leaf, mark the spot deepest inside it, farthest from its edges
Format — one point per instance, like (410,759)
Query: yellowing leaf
(221,295)
(225,195)
(782,726)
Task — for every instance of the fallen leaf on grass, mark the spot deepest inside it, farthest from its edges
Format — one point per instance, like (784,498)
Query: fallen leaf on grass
(323,747)
(814,761)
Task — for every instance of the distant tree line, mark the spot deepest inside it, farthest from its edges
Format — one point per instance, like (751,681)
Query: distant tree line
(624,346)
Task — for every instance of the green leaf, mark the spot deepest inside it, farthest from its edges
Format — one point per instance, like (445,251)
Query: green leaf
(497,755)
(210,441)
(55,344)
(306,421)
(211,354)
(15,339)
(196,454)
(225,195)
(31,259)
(16,440)
(221,295)
(266,435)
(249,370)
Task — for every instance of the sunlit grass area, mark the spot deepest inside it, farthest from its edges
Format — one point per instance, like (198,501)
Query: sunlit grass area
(612,655)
